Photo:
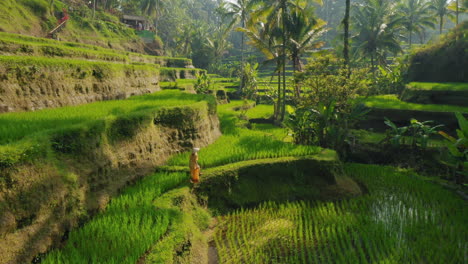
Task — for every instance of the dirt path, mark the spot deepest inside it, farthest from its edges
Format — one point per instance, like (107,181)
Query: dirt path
(212,252)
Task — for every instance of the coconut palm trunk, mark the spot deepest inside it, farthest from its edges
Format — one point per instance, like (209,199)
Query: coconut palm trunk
(283,106)
(441,24)
(346,34)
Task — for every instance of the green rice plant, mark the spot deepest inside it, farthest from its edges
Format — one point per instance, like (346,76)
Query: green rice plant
(129,226)
(403,219)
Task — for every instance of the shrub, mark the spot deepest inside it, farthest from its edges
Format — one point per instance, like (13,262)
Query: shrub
(326,111)
(203,84)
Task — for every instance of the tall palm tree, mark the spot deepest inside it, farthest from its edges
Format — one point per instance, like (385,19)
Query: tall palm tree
(458,8)
(303,31)
(154,9)
(415,16)
(441,9)
(269,44)
(277,13)
(239,11)
(377,28)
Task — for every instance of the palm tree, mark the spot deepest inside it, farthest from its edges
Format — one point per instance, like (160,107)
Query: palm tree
(153,8)
(239,12)
(441,9)
(377,30)
(458,8)
(269,44)
(218,44)
(415,16)
(303,30)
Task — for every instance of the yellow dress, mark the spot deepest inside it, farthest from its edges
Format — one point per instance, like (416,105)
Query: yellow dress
(194,168)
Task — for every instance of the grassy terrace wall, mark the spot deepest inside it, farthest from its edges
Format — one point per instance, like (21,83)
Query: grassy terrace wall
(28,83)
(248,183)
(64,170)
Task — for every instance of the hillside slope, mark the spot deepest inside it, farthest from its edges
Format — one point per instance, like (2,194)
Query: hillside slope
(38,17)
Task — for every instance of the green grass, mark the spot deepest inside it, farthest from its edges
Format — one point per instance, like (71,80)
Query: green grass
(403,219)
(16,126)
(392,102)
(438,86)
(129,226)
(78,65)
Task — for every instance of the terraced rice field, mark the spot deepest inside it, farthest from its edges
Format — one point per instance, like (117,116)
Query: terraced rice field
(131,217)
(16,126)
(401,220)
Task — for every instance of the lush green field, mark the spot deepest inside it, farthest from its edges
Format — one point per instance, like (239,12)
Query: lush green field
(392,102)
(438,86)
(128,227)
(16,126)
(402,219)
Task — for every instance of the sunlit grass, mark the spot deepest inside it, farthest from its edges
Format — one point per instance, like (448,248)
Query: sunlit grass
(438,86)
(392,102)
(260,111)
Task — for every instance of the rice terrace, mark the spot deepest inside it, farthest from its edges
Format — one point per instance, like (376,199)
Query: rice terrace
(234,131)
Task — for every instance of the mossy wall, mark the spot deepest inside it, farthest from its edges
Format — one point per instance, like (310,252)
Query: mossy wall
(246,184)
(445,61)
(34,83)
(50,191)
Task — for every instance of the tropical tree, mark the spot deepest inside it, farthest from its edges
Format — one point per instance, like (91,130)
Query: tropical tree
(276,14)
(441,9)
(218,44)
(303,31)
(457,8)
(377,28)
(415,15)
(269,44)
(238,11)
(154,9)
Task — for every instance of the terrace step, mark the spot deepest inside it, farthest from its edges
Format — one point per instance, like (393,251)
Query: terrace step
(437,93)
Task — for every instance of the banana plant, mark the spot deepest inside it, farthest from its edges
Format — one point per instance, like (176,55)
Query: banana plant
(458,149)
(421,131)
(396,135)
